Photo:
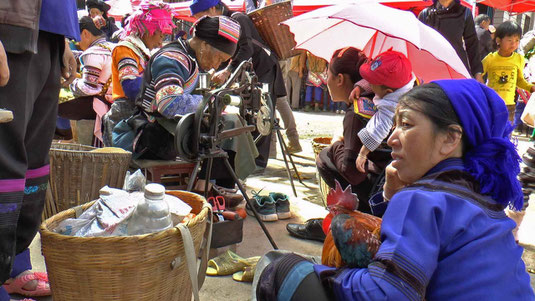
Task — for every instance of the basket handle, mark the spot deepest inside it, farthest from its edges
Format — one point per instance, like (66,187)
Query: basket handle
(205,245)
(197,270)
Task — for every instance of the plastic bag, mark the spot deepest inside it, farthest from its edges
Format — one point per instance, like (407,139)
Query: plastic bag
(107,217)
(135,181)
(528,116)
(110,214)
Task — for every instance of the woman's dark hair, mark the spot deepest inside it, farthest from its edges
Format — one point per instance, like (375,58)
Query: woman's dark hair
(347,61)
(100,5)
(508,28)
(225,10)
(207,29)
(123,20)
(430,100)
(481,18)
(87,23)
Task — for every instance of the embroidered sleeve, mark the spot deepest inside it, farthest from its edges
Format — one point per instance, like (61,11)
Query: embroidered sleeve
(172,83)
(127,63)
(89,83)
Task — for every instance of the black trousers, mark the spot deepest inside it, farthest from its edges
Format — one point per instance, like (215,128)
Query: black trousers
(32,95)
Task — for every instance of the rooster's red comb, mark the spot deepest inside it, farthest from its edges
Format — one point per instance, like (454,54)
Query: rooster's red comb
(344,198)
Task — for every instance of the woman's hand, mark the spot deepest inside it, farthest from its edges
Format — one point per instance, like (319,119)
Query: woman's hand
(68,72)
(99,21)
(361,163)
(392,182)
(4,67)
(355,94)
(479,78)
(221,77)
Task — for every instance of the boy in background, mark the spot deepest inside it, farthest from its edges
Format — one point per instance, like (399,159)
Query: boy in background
(505,66)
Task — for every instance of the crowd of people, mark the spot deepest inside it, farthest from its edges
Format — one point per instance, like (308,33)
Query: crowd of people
(442,149)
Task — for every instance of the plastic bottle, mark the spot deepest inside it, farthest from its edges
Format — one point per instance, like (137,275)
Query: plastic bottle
(152,213)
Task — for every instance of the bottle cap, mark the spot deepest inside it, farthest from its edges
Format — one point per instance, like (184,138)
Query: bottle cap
(154,191)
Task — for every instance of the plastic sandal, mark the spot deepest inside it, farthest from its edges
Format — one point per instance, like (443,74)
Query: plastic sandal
(246,275)
(16,286)
(229,263)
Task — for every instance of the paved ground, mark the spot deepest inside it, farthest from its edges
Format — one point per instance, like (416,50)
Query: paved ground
(306,205)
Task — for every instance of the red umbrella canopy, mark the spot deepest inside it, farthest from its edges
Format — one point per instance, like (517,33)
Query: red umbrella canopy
(181,10)
(416,6)
(516,6)
(327,29)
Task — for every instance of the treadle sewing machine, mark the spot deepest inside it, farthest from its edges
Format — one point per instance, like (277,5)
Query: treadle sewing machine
(198,135)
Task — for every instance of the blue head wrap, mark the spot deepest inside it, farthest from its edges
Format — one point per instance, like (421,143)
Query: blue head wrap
(202,5)
(490,156)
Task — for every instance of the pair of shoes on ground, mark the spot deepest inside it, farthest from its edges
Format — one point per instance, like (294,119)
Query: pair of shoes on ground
(230,263)
(16,286)
(272,207)
(311,229)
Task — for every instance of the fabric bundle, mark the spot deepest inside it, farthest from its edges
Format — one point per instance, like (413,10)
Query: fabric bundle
(149,17)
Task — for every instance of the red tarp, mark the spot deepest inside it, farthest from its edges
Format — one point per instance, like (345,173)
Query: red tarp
(181,9)
(516,6)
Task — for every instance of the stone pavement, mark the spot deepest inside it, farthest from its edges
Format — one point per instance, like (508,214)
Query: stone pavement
(306,205)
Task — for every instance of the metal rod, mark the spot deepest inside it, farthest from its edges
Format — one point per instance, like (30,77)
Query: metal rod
(242,189)
(193,175)
(293,164)
(288,171)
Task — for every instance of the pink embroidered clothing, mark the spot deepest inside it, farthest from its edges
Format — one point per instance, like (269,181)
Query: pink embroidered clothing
(96,70)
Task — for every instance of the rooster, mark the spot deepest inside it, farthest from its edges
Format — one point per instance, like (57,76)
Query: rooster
(353,237)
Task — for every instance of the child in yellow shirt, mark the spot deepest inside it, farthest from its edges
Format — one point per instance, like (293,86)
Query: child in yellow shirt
(505,67)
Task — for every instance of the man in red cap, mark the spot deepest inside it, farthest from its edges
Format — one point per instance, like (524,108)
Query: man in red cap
(390,76)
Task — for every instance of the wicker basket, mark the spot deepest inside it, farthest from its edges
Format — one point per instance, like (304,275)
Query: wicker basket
(76,175)
(318,144)
(278,37)
(143,267)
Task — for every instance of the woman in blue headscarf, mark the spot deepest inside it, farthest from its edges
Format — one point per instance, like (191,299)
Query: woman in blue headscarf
(444,233)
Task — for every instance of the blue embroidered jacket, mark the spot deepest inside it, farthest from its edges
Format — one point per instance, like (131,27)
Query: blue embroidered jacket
(440,241)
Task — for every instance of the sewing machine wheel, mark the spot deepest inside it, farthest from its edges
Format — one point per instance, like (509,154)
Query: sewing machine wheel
(264,116)
(186,143)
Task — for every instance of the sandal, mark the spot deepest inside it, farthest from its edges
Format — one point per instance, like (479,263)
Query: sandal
(229,263)
(246,275)
(17,285)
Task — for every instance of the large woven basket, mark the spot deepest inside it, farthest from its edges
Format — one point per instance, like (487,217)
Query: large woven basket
(278,37)
(144,267)
(318,144)
(76,175)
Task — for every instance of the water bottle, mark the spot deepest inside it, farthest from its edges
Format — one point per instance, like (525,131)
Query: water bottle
(152,213)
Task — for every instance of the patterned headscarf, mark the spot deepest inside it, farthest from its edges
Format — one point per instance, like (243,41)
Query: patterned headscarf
(220,32)
(149,17)
(490,156)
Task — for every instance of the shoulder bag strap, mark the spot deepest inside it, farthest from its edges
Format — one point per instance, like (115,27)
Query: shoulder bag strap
(197,268)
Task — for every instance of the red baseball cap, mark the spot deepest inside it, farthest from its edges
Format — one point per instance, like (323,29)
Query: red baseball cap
(390,68)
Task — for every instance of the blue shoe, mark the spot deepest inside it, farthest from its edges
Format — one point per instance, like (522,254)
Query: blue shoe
(282,204)
(265,207)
